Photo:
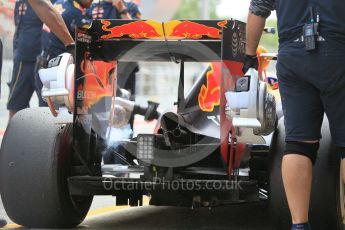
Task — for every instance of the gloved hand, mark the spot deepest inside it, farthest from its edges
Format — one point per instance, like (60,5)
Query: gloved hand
(70,48)
(250,61)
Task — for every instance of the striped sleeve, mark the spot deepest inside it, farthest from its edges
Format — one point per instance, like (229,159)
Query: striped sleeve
(262,8)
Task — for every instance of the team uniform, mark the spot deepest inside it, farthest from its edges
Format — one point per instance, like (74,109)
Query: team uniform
(74,15)
(58,6)
(26,47)
(106,10)
(311,82)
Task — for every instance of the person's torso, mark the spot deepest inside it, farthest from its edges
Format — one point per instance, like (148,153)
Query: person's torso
(293,14)
(58,6)
(74,16)
(27,38)
(106,10)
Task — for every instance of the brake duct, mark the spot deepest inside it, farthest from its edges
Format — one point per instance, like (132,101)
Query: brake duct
(252,109)
(58,82)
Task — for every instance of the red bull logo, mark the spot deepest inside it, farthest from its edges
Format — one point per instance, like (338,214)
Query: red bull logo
(194,30)
(135,30)
(209,95)
(150,29)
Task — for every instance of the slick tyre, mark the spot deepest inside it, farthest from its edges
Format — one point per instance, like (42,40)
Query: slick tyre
(327,199)
(35,160)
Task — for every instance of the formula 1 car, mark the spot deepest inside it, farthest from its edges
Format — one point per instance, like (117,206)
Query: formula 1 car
(220,144)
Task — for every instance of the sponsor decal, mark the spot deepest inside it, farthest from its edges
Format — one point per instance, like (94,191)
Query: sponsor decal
(136,30)
(235,44)
(54,62)
(81,37)
(175,29)
(192,30)
(209,95)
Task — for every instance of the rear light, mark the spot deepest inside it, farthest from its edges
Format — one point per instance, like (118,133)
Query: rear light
(145,147)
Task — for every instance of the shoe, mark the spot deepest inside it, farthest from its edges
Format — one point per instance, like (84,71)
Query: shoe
(2,223)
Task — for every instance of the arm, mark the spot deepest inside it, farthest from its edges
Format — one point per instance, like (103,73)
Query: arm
(46,12)
(120,6)
(255,27)
(258,12)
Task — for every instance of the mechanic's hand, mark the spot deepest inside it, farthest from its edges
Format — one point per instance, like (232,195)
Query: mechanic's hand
(119,5)
(71,49)
(250,61)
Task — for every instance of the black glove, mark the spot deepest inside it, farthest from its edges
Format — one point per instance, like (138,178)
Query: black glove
(70,48)
(250,61)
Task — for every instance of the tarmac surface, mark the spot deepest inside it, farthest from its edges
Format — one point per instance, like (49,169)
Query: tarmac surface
(105,215)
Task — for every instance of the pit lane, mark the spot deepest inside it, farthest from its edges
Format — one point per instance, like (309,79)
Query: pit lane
(237,217)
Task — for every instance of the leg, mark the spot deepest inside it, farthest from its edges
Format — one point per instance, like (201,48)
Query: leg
(297,169)
(37,85)
(303,116)
(21,88)
(11,114)
(333,95)
(2,223)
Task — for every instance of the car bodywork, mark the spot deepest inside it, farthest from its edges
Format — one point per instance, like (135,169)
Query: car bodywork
(195,144)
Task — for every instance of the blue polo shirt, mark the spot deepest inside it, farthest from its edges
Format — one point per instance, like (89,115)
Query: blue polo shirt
(74,15)
(26,40)
(106,10)
(58,5)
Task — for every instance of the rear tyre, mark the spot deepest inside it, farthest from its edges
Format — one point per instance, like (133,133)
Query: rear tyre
(35,161)
(327,199)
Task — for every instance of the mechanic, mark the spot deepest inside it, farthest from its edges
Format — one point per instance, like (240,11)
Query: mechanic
(42,60)
(114,9)
(311,76)
(74,15)
(2,221)
(26,48)
(119,9)
(26,45)
(46,12)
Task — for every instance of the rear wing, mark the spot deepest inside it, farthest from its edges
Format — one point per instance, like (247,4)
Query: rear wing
(139,40)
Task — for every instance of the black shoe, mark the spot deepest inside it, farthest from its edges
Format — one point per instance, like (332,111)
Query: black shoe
(2,223)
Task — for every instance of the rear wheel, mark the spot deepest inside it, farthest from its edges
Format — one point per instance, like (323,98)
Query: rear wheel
(35,161)
(327,207)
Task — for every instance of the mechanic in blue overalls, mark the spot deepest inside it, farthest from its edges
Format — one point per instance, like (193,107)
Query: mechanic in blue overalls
(311,74)
(119,9)
(26,46)
(74,15)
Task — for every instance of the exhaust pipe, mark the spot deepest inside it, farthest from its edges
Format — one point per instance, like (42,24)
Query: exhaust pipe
(174,130)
